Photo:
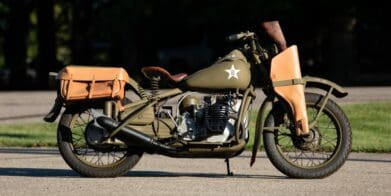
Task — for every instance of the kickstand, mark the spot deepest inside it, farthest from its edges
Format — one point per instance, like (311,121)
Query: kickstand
(229,173)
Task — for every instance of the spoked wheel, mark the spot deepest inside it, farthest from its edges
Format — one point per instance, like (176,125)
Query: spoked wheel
(77,141)
(318,155)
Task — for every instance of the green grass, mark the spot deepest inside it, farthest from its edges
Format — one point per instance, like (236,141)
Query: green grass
(371,126)
(28,135)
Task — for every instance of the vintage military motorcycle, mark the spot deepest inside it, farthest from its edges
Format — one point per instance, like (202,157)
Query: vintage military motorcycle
(102,133)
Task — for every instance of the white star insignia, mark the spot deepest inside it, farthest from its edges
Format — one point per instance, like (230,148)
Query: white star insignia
(233,72)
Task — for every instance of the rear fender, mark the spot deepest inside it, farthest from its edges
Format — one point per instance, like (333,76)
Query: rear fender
(55,111)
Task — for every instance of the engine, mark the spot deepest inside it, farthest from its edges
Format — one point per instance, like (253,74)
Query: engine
(210,118)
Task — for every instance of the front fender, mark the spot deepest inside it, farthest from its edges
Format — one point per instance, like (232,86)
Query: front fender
(325,85)
(259,127)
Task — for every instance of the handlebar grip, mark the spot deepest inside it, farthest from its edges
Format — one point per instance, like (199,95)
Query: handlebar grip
(234,37)
(239,36)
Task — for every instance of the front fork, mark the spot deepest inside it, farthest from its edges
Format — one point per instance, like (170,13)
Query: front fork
(322,104)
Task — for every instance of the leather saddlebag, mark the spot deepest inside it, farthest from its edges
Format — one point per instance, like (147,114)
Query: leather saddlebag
(82,82)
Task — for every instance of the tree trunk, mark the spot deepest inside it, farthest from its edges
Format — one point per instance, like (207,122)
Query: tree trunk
(16,43)
(47,42)
(81,22)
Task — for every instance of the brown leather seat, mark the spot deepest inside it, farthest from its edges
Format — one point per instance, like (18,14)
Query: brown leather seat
(154,71)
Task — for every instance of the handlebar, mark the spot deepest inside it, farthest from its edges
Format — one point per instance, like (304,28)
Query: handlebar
(239,36)
(258,53)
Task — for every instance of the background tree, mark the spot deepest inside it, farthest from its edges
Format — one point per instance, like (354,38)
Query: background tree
(15,42)
(46,40)
(343,41)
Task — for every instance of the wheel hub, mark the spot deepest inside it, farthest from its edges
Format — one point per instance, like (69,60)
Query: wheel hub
(95,135)
(310,142)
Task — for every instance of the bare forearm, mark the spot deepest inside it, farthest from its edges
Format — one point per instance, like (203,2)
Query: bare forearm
(274,30)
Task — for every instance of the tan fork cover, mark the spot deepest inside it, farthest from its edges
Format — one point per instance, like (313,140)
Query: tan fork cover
(286,66)
(83,82)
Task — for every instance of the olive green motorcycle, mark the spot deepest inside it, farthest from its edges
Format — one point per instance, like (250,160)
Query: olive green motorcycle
(103,133)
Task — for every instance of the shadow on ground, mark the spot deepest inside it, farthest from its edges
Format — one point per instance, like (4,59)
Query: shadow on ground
(140,173)
(60,173)
(37,172)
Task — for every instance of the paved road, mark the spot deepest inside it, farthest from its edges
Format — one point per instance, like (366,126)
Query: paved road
(36,171)
(31,106)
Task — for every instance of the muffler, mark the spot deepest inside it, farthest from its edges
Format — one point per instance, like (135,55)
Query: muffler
(129,135)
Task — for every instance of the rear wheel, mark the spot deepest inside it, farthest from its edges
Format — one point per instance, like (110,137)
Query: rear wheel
(318,155)
(105,160)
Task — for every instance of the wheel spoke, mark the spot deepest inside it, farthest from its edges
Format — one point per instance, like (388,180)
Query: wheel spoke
(308,153)
(90,156)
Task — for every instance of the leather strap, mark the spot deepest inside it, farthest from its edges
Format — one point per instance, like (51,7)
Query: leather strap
(90,92)
(288,82)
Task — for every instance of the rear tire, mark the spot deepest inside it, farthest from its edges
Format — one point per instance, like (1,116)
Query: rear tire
(111,161)
(320,155)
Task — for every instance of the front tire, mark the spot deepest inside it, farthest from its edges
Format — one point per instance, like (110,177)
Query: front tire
(316,156)
(107,161)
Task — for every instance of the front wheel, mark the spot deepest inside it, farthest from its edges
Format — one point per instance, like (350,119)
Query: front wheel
(91,160)
(318,155)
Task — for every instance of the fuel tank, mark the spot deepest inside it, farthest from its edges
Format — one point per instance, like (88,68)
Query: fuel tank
(230,72)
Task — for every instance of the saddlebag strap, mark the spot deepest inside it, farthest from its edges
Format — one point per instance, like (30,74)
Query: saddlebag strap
(92,86)
(288,82)
(115,87)
(69,87)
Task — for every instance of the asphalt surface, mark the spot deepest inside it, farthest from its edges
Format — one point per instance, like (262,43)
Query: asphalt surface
(37,171)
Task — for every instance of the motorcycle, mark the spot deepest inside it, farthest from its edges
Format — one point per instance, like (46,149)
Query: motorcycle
(103,133)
